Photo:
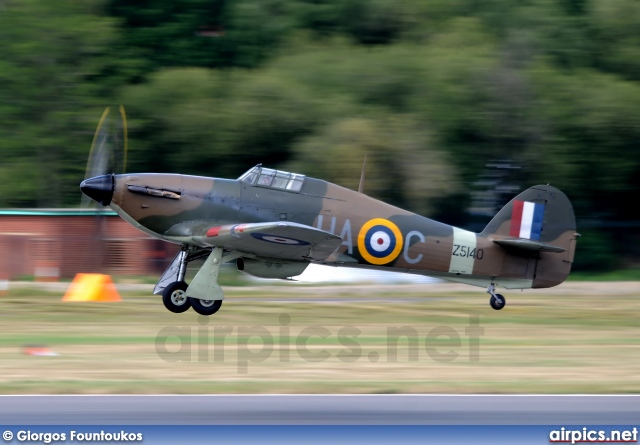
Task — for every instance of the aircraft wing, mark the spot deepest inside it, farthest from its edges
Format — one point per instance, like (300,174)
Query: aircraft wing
(284,240)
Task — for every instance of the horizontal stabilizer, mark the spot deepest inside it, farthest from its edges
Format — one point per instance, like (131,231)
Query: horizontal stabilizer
(526,244)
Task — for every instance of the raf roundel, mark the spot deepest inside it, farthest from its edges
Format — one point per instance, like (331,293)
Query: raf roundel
(279,239)
(379,241)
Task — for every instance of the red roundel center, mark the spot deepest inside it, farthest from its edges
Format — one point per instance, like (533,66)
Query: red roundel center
(380,241)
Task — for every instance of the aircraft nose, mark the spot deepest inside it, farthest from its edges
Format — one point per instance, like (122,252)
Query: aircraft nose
(99,188)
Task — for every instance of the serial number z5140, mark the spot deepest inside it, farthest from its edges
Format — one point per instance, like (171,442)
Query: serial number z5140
(467,252)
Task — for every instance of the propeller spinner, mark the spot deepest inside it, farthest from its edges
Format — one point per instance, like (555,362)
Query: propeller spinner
(99,188)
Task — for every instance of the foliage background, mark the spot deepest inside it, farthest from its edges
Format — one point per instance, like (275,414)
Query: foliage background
(432,91)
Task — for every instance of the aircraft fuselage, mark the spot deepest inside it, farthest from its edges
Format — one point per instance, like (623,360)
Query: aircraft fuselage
(374,234)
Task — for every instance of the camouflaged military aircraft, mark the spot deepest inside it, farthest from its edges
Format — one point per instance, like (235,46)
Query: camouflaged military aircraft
(274,224)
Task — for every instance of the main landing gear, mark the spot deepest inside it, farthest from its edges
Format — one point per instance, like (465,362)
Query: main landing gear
(204,294)
(175,298)
(205,307)
(497,301)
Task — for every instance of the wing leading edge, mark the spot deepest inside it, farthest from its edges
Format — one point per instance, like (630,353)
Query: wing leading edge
(284,240)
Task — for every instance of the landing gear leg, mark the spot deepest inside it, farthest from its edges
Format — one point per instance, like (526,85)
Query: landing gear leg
(204,292)
(175,272)
(173,292)
(497,301)
(172,285)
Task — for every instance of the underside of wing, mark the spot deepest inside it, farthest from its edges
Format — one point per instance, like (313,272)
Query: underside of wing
(284,240)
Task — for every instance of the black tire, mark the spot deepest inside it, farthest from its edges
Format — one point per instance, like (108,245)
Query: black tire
(497,303)
(173,295)
(205,307)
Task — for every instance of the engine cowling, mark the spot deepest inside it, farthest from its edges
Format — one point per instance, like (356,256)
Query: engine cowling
(270,268)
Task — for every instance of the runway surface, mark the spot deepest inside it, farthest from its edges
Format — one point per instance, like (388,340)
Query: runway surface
(320,410)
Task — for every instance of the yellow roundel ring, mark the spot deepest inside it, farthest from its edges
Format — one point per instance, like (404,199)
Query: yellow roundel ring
(379,241)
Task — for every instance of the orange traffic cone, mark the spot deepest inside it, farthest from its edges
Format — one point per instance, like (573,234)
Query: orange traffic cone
(92,287)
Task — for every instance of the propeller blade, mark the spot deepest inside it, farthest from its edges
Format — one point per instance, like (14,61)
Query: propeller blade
(109,146)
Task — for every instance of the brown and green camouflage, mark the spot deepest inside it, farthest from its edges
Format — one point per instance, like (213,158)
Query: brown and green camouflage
(275,217)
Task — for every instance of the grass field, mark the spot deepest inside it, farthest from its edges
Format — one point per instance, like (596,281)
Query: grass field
(581,337)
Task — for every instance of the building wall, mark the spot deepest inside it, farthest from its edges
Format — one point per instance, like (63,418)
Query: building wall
(62,245)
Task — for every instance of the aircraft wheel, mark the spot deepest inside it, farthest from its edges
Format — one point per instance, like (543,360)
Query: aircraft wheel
(205,307)
(175,298)
(497,302)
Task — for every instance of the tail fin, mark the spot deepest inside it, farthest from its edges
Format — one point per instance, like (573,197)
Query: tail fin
(538,221)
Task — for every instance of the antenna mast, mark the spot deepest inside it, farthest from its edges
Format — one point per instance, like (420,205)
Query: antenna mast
(364,164)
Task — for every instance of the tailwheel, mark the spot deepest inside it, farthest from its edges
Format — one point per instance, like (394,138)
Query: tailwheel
(205,307)
(497,301)
(175,298)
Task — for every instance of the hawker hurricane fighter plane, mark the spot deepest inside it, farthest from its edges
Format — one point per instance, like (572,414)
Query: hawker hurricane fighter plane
(274,224)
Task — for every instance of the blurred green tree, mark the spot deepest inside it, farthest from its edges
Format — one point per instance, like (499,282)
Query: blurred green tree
(589,145)
(402,166)
(616,36)
(201,33)
(194,118)
(431,91)
(55,67)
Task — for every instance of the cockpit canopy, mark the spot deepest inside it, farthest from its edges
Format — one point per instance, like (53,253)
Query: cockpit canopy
(275,179)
